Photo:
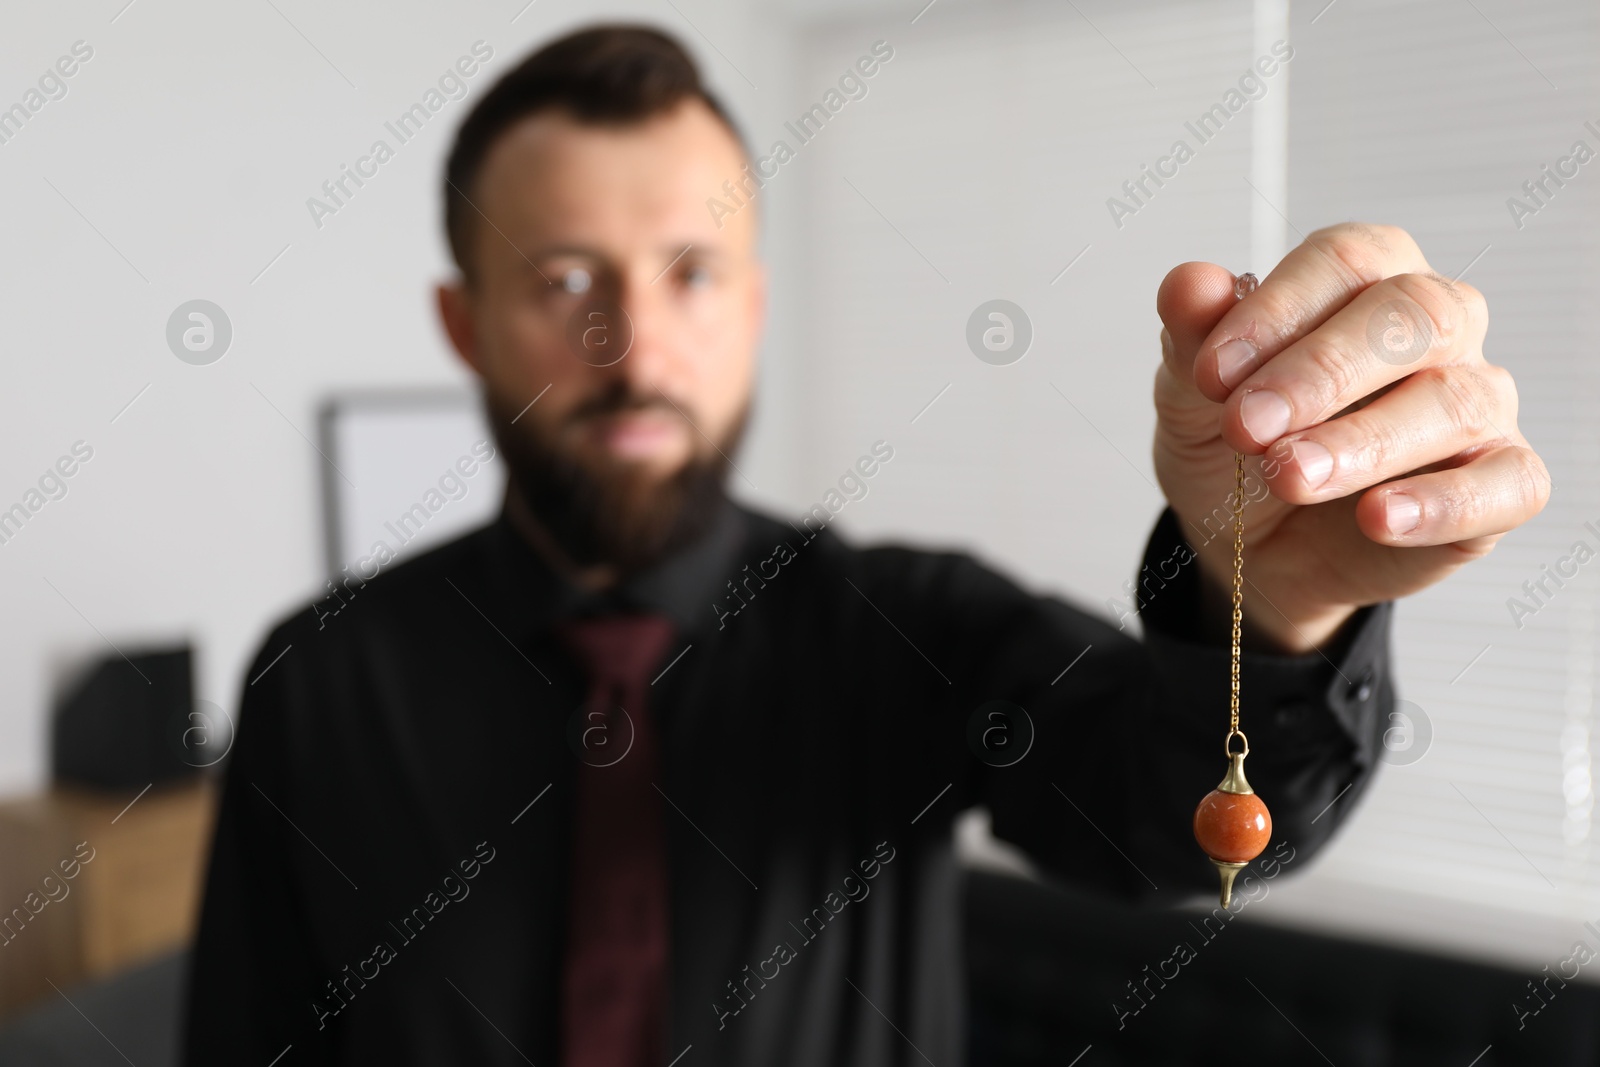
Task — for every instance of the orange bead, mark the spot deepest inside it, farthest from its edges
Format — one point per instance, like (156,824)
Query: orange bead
(1232,827)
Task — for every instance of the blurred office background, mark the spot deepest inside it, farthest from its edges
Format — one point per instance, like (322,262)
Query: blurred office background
(176,162)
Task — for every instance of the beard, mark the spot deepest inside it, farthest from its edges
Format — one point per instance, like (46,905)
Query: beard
(608,513)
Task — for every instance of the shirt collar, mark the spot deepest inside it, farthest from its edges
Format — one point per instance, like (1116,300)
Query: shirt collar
(683,586)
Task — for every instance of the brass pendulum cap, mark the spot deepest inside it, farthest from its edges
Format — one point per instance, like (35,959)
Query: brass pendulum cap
(1228,871)
(1235,781)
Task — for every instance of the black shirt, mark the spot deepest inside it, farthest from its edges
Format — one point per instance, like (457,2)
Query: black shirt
(387,882)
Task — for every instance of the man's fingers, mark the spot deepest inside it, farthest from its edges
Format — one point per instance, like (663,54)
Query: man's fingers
(1312,283)
(1392,329)
(1192,297)
(1432,416)
(1493,493)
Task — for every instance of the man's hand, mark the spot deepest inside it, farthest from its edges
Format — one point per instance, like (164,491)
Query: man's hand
(1355,375)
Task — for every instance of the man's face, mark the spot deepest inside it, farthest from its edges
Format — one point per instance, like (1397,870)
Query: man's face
(585,235)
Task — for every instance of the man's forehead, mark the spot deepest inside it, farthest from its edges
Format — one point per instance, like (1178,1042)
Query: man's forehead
(556,180)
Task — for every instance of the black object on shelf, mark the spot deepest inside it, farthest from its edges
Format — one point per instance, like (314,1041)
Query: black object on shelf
(129,723)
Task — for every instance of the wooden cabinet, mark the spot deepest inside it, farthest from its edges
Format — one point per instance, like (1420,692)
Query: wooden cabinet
(91,883)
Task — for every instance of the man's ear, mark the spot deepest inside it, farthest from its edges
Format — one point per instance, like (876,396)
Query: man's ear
(455,313)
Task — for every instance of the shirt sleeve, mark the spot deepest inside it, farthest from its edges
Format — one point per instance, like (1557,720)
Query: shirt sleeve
(254,972)
(1125,735)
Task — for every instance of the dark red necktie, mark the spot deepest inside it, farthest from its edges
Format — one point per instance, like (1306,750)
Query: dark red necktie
(614,975)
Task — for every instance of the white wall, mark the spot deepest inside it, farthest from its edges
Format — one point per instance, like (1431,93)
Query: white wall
(978,167)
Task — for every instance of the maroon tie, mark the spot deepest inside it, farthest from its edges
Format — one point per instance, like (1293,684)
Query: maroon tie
(614,976)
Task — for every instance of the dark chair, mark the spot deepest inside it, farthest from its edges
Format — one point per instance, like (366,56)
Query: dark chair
(1050,973)
(129,1017)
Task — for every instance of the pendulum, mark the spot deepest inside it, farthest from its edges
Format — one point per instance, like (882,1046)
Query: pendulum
(1231,824)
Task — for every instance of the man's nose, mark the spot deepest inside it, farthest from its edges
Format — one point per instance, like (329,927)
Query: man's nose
(647,327)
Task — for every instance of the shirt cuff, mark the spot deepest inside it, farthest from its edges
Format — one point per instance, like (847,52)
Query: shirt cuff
(1280,694)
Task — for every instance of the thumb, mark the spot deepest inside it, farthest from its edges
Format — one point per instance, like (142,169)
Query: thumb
(1191,301)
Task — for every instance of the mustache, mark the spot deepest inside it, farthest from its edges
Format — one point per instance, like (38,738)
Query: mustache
(622,401)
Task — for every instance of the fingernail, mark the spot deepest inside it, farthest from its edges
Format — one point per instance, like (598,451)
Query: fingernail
(1265,415)
(1314,461)
(1235,360)
(1166,343)
(1403,513)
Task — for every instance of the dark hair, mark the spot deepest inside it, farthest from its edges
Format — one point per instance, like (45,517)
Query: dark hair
(611,75)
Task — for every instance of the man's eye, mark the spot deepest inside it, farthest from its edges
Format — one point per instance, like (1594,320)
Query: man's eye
(696,277)
(574,280)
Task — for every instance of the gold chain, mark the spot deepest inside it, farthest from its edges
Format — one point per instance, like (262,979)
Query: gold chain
(1238,588)
(1243,285)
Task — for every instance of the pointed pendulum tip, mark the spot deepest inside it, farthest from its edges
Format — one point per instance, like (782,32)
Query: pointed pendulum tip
(1228,871)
